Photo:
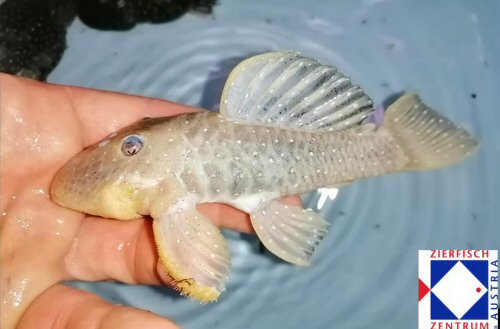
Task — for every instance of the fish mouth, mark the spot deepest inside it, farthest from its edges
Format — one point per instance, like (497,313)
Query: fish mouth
(119,200)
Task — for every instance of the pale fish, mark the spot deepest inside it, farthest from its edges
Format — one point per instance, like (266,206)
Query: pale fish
(287,125)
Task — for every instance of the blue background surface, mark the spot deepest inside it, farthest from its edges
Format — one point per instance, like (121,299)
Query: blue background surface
(365,273)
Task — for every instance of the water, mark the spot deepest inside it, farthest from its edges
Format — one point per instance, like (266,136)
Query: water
(365,273)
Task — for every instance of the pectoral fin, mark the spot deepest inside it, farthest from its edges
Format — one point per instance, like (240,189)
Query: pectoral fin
(289,232)
(193,252)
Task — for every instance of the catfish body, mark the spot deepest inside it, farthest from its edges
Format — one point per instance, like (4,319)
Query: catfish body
(288,125)
(224,161)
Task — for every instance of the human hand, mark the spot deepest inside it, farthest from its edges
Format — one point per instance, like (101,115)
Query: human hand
(41,243)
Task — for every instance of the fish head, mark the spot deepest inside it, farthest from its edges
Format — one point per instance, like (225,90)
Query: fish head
(117,177)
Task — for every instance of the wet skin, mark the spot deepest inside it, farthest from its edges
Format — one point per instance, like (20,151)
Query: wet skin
(41,243)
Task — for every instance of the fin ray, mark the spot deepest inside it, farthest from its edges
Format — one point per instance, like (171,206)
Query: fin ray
(288,90)
(296,90)
(193,252)
(289,232)
(429,139)
(315,98)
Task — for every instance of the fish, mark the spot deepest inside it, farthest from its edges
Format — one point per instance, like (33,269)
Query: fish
(287,125)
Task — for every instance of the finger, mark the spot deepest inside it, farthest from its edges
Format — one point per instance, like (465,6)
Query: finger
(125,251)
(293,201)
(98,113)
(107,249)
(232,218)
(226,216)
(102,112)
(61,307)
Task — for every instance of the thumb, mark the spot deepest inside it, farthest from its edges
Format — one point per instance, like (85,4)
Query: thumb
(62,307)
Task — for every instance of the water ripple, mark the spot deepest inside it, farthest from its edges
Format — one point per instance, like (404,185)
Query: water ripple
(365,272)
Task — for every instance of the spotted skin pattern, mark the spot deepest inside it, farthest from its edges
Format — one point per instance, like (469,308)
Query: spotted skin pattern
(269,159)
(288,125)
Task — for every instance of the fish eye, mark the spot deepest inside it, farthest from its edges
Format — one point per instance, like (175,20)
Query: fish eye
(132,145)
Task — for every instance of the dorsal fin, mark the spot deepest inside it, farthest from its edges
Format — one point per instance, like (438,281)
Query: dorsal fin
(289,90)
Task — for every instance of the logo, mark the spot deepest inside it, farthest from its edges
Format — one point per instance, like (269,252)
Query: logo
(458,289)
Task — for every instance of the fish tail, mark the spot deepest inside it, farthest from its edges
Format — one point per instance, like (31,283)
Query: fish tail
(427,138)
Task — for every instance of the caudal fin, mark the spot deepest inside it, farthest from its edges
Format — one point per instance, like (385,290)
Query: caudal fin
(429,139)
